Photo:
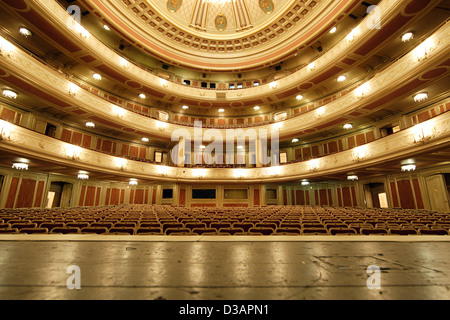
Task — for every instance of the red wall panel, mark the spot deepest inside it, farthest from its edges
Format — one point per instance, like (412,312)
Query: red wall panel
(394,195)
(108,192)
(90,196)
(97,198)
(114,196)
(76,138)
(26,193)
(346,197)
(39,193)
(300,197)
(12,193)
(323,197)
(406,194)
(66,135)
(256,201)
(355,200)
(418,194)
(87,141)
(182,199)
(7,115)
(83,190)
(122,196)
(139,198)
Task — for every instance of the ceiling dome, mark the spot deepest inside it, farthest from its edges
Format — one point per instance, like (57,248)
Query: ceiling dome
(218,35)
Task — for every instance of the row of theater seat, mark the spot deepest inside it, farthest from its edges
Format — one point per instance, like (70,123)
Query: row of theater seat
(265,220)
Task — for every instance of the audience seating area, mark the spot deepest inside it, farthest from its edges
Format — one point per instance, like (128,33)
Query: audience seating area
(265,220)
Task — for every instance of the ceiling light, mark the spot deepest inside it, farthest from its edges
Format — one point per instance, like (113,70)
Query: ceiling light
(273,84)
(256,108)
(83,176)
(305,183)
(202,147)
(6,47)
(407,36)
(118,111)
(163,82)
(423,50)
(120,163)
(352,177)
(133,182)
(142,96)
(299,97)
(73,89)
(25,32)
(409,167)
(185,107)
(333,30)
(106,27)
(96,76)
(295,140)
(9,94)
(352,34)
(221,110)
(311,66)
(90,124)
(314,164)
(145,139)
(420,97)
(124,63)
(362,90)
(347,126)
(239,147)
(320,112)
(73,151)
(20,166)
(341,78)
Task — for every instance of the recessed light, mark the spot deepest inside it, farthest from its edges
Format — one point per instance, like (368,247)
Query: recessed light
(341,78)
(256,108)
(96,76)
(347,126)
(299,97)
(142,96)
(25,32)
(83,176)
(145,139)
(9,94)
(20,166)
(409,167)
(407,36)
(295,140)
(420,97)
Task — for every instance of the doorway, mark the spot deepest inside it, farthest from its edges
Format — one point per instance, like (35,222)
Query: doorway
(59,195)
(375,195)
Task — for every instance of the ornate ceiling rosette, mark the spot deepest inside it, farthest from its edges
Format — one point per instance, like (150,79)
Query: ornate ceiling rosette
(219,35)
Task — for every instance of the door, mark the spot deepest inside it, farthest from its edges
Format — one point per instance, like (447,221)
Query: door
(437,193)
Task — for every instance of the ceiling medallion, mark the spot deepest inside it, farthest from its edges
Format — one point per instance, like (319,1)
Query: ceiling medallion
(266,6)
(221,22)
(173,5)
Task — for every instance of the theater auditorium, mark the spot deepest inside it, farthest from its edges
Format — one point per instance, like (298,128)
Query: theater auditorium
(224,149)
